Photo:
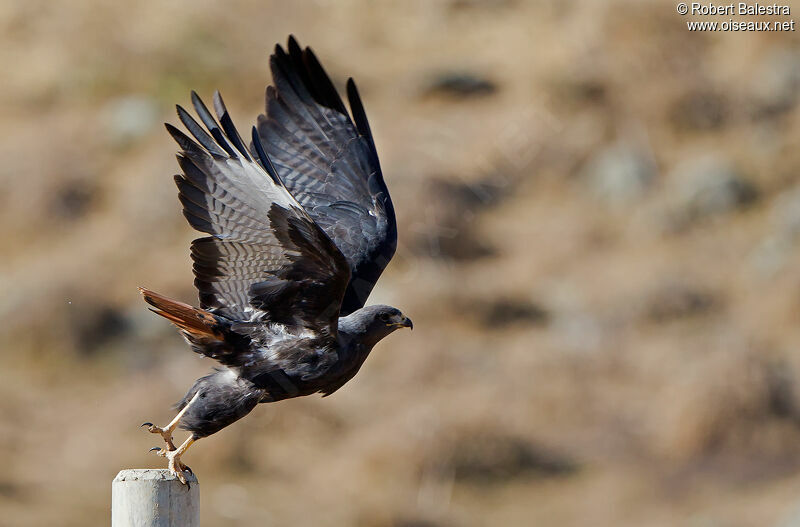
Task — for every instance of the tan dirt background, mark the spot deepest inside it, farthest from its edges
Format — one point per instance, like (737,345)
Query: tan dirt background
(600,236)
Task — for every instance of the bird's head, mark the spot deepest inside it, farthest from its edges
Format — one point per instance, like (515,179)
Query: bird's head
(375,322)
(388,319)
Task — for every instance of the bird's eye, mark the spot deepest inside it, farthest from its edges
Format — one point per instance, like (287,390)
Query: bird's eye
(384,317)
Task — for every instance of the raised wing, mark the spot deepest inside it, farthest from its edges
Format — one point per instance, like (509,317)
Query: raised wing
(266,259)
(328,162)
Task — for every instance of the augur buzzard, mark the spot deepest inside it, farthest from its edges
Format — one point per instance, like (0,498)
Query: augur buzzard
(300,226)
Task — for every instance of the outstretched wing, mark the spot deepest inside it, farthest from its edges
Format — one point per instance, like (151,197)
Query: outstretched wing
(266,259)
(329,164)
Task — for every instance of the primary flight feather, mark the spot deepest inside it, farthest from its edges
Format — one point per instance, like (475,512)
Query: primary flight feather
(300,227)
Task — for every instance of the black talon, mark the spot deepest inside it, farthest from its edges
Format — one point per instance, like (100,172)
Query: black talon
(146,424)
(155,448)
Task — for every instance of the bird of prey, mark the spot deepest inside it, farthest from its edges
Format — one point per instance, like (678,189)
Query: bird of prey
(300,226)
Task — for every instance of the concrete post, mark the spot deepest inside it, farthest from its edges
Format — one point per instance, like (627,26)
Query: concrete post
(154,498)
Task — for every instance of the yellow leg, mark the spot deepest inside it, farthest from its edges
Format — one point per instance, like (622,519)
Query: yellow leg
(174,456)
(166,432)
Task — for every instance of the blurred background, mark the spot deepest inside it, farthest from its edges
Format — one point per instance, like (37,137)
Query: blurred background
(599,245)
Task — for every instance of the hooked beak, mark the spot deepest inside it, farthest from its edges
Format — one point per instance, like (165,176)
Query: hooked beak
(407,323)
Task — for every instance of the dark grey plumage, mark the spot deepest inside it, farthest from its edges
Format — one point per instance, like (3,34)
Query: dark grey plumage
(329,163)
(300,227)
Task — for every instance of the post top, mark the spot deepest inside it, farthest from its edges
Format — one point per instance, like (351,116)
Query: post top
(151,474)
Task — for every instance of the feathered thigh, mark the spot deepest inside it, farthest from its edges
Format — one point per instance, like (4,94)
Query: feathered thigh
(224,398)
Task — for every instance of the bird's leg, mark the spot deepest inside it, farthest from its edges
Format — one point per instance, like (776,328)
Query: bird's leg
(166,432)
(174,456)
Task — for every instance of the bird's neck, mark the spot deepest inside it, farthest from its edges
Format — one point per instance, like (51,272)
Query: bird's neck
(353,333)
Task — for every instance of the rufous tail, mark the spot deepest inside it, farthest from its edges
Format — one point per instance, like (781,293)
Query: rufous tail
(197,322)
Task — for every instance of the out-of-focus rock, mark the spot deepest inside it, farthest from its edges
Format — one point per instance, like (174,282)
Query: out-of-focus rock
(460,85)
(414,522)
(776,83)
(782,400)
(93,326)
(501,313)
(446,229)
(773,252)
(732,407)
(490,459)
(619,173)
(457,5)
(675,300)
(130,118)
(10,489)
(771,255)
(699,110)
(73,199)
(582,85)
(785,214)
(706,186)
(473,196)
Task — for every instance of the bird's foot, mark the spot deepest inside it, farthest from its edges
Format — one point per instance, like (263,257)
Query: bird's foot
(175,464)
(165,432)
